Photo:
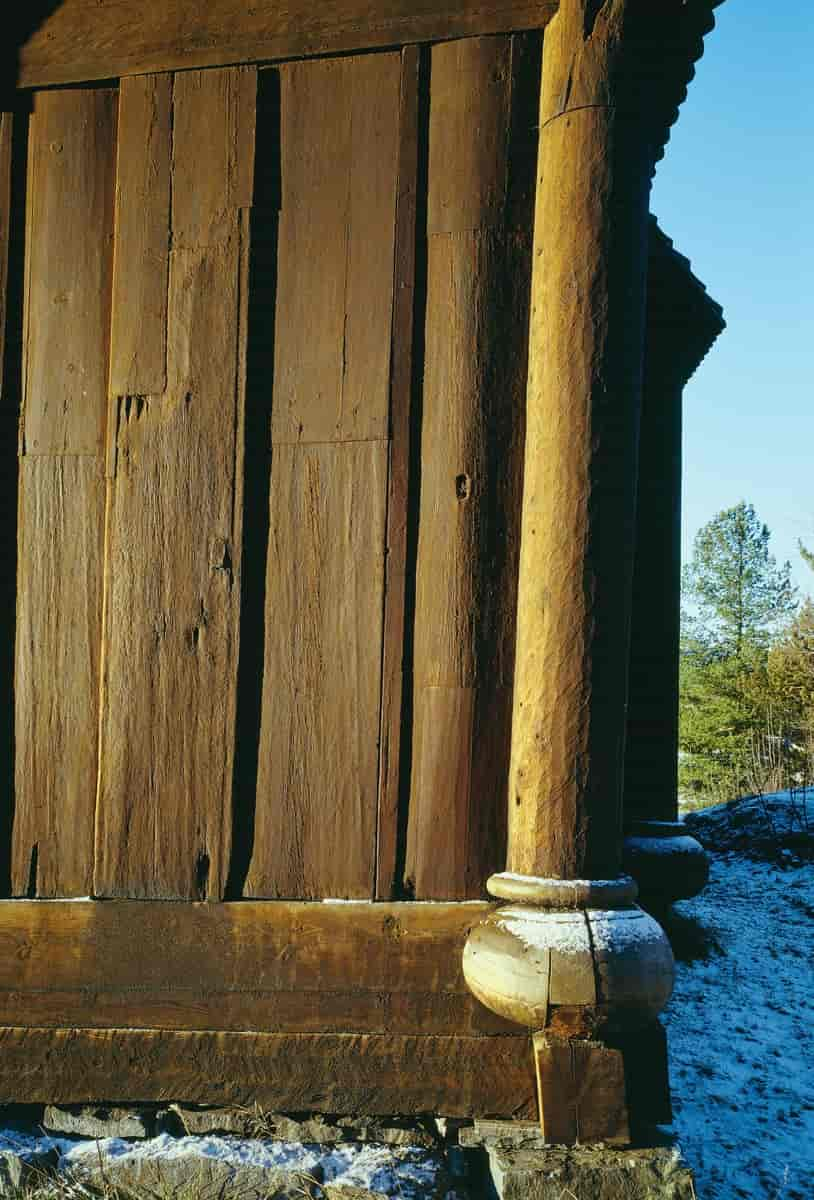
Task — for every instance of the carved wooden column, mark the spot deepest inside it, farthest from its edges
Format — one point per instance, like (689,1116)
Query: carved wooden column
(681,324)
(572,957)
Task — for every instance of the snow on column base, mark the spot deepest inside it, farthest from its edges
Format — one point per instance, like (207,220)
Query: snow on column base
(586,971)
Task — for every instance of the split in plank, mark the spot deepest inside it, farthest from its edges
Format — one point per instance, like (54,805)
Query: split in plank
(163,823)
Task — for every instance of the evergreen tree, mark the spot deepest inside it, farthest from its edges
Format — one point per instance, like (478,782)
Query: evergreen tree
(791,680)
(807,554)
(740,595)
(738,600)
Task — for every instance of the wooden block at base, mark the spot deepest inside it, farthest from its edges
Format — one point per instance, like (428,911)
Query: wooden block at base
(581,1091)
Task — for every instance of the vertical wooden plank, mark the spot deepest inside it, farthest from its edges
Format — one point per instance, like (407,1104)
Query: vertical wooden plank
(72,147)
(339,143)
(138,362)
(73,134)
(8,509)
(478,263)
(317,779)
(469,125)
(59,599)
(321,706)
(401,389)
(581,1091)
(163,823)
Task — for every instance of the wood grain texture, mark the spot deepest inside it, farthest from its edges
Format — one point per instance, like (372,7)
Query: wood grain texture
(478,274)
(84,40)
(401,398)
(315,819)
(582,415)
(72,149)
(339,1073)
(268,966)
(469,128)
(59,602)
(581,1087)
(138,364)
(339,140)
(163,825)
(212,124)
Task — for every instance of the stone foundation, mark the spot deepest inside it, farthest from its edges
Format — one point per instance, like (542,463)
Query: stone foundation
(145,1149)
(590,1173)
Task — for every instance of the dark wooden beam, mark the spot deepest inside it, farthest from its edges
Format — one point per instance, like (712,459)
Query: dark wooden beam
(103,39)
(456,1076)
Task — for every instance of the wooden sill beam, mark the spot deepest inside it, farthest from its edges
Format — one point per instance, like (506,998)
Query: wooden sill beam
(332,1073)
(88,39)
(266,966)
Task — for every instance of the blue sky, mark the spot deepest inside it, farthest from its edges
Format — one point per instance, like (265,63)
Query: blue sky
(735,192)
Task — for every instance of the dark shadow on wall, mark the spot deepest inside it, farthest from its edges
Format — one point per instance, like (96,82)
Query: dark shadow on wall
(17,29)
(257,473)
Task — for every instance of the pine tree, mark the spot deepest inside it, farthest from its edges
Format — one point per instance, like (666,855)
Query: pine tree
(791,679)
(741,596)
(808,555)
(738,600)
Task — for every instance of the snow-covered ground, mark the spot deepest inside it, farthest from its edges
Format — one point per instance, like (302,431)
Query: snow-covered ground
(741,1020)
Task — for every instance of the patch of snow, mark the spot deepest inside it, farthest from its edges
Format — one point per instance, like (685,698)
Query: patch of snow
(661,845)
(406,1172)
(537,879)
(564,932)
(741,1021)
(621,929)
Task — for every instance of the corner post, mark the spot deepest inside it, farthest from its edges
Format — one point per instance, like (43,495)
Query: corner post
(572,957)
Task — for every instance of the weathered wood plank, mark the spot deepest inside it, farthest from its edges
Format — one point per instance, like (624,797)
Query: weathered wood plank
(212,155)
(163,826)
(317,777)
(401,393)
(339,140)
(478,264)
(581,1089)
(84,40)
(471,92)
(288,967)
(457,831)
(138,364)
(8,484)
(172,594)
(59,601)
(327,1073)
(72,150)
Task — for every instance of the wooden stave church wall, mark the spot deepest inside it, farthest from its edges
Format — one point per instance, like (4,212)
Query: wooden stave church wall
(218,243)
(81,1021)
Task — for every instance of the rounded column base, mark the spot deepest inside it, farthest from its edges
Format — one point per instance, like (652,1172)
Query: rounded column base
(577,962)
(577,954)
(666,862)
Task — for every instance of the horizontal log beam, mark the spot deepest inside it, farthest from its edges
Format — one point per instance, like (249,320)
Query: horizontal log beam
(103,39)
(268,966)
(490,1077)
